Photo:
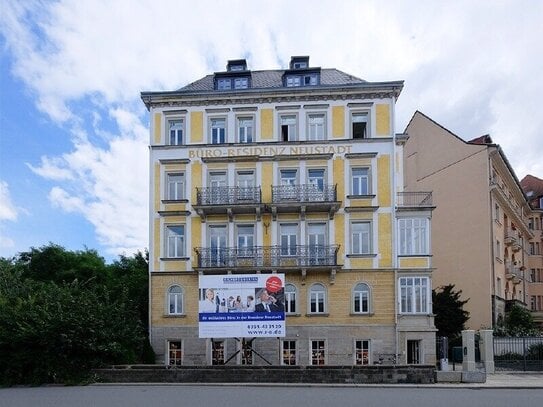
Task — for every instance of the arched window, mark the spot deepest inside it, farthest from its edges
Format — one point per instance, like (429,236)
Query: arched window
(290,299)
(175,300)
(361,299)
(317,299)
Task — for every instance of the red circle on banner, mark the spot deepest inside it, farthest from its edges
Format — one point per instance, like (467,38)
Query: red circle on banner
(273,284)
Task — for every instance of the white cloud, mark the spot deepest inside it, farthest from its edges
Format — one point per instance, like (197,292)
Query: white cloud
(471,66)
(8,211)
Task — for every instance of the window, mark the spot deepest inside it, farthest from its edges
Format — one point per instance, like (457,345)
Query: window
(288,126)
(318,352)
(288,183)
(217,352)
(245,240)
(362,352)
(413,352)
(175,353)
(533,303)
(414,295)
(315,178)
(359,123)
(217,245)
(176,186)
(176,132)
(175,300)
(246,351)
(413,236)
(360,181)
(218,131)
(498,249)
(288,236)
(224,84)
(532,276)
(246,186)
(289,353)
(245,129)
(310,79)
(317,299)
(217,183)
(361,238)
(361,299)
(316,241)
(299,65)
(316,127)
(241,83)
(290,298)
(497,216)
(175,241)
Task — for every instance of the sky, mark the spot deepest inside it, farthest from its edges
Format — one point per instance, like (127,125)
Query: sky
(74,132)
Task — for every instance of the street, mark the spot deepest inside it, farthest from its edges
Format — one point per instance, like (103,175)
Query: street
(236,395)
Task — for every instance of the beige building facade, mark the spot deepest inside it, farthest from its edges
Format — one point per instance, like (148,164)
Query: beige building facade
(480,230)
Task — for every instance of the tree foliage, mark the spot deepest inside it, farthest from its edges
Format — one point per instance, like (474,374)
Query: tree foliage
(450,315)
(63,313)
(518,322)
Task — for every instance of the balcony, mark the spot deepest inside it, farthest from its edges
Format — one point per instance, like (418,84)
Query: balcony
(511,238)
(303,199)
(414,200)
(268,258)
(513,273)
(228,200)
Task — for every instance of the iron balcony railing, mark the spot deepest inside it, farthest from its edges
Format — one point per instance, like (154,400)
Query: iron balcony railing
(267,256)
(414,199)
(304,193)
(228,195)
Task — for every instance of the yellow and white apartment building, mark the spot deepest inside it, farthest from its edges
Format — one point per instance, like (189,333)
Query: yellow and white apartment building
(295,171)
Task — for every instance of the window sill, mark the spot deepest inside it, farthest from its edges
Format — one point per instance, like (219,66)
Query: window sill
(319,314)
(174,258)
(361,314)
(361,256)
(415,255)
(371,196)
(172,201)
(174,316)
(288,314)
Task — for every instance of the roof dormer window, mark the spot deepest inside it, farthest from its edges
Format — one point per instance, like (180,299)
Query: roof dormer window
(299,62)
(309,79)
(235,65)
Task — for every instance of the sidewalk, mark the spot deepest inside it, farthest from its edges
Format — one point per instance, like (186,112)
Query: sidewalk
(513,380)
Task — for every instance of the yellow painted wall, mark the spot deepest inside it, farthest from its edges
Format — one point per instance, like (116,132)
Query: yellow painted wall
(196,238)
(338,122)
(267,238)
(267,180)
(157,128)
(156,243)
(197,127)
(339,177)
(382,111)
(361,202)
(156,191)
(414,262)
(174,265)
(159,287)
(339,236)
(196,176)
(266,124)
(383,180)
(385,239)
(362,263)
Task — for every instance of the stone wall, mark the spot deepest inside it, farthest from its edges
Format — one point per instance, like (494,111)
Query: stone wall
(422,374)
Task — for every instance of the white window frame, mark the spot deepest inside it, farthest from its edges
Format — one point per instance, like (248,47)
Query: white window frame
(359,294)
(179,132)
(246,246)
(316,131)
(319,353)
(291,351)
(291,297)
(314,297)
(414,295)
(247,128)
(169,360)
(362,237)
(224,83)
(360,113)
(215,138)
(178,186)
(212,351)
(178,298)
(179,249)
(414,236)
(292,132)
(290,249)
(357,181)
(241,82)
(362,354)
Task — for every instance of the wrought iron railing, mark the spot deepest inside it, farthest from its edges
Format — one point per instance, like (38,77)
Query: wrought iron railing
(304,193)
(267,256)
(228,195)
(414,199)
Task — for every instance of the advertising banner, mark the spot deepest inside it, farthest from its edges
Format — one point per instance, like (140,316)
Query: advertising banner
(242,306)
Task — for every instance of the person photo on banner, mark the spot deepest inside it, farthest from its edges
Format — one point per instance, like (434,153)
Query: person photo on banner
(209,304)
(268,303)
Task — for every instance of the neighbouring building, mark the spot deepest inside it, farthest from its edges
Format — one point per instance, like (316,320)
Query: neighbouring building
(533,188)
(295,171)
(480,230)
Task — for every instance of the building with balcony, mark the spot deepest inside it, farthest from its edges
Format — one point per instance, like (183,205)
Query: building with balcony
(533,188)
(480,230)
(295,171)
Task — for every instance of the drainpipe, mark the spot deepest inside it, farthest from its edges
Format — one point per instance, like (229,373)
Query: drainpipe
(393,232)
(492,253)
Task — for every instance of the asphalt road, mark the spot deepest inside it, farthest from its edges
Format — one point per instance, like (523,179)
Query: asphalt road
(260,396)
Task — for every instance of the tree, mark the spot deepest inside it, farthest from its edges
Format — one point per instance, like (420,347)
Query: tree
(518,322)
(450,316)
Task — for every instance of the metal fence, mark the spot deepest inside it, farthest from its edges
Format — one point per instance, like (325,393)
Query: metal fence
(525,353)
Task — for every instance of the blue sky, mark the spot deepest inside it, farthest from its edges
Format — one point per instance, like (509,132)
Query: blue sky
(74,133)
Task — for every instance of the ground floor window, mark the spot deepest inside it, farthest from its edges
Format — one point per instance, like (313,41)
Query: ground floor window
(318,352)
(246,351)
(289,352)
(413,352)
(217,352)
(175,353)
(362,352)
